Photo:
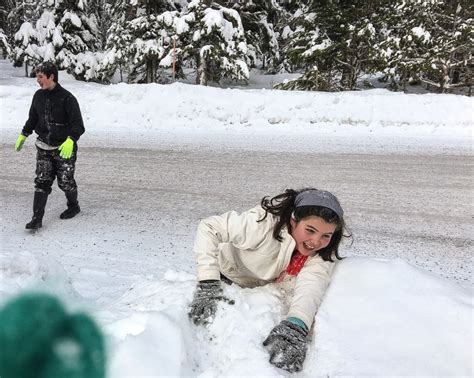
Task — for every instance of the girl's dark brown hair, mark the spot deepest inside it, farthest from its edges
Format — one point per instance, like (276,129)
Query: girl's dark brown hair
(283,206)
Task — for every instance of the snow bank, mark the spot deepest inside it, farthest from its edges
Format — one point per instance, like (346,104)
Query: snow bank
(386,317)
(183,113)
(380,317)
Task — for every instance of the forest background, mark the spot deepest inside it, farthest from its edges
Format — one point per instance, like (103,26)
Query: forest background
(333,45)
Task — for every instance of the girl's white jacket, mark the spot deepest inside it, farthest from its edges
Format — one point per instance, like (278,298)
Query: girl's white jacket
(246,252)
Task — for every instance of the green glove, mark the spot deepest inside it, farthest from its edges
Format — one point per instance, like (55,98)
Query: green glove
(66,148)
(19,142)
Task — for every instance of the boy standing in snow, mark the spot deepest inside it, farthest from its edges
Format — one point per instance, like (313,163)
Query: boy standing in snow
(291,237)
(56,118)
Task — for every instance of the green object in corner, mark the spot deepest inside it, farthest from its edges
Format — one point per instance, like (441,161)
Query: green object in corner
(39,339)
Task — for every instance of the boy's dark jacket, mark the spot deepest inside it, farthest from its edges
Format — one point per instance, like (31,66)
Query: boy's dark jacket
(54,115)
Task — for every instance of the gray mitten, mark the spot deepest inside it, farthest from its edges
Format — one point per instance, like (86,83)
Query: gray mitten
(204,304)
(287,346)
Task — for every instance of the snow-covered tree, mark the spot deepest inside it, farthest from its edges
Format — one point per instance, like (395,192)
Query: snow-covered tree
(74,36)
(34,40)
(331,42)
(8,26)
(260,21)
(4,45)
(150,42)
(215,40)
(140,39)
(25,51)
(430,41)
(63,33)
(209,37)
(21,12)
(102,12)
(449,55)
(115,56)
(334,41)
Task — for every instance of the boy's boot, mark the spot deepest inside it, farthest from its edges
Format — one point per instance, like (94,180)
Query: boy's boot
(39,203)
(72,206)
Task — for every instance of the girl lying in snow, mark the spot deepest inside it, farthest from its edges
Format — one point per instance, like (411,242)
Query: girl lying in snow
(292,236)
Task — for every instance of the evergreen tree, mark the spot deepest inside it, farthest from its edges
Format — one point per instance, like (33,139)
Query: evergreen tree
(115,54)
(63,33)
(25,49)
(151,42)
(334,41)
(33,40)
(8,25)
(331,42)
(140,39)
(75,38)
(20,31)
(102,12)
(260,21)
(4,45)
(449,55)
(430,42)
(215,41)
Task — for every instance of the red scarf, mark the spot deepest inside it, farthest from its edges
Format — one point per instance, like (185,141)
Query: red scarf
(296,264)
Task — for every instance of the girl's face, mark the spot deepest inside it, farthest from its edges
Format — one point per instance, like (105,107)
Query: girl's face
(311,234)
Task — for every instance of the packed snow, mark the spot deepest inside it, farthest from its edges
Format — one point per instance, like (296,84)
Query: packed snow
(372,120)
(380,316)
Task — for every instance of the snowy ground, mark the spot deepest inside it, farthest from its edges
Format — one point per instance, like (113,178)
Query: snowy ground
(155,159)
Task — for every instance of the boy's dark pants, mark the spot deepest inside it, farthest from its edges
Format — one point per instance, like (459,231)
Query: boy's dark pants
(50,165)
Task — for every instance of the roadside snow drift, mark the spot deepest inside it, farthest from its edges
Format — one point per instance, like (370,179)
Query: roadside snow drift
(182,113)
(379,317)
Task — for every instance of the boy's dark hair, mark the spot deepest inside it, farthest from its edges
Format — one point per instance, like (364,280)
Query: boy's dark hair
(283,206)
(48,68)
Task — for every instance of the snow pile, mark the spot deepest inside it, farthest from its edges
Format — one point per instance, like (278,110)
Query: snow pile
(181,114)
(386,317)
(26,271)
(380,317)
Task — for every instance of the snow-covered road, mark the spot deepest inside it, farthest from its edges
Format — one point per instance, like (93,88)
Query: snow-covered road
(142,205)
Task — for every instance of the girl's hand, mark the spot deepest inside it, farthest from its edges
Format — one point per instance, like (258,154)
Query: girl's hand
(287,346)
(204,304)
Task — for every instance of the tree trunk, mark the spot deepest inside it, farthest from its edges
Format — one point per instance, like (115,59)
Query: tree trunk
(405,75)
(442,82)
(201,75)
(198,64)
(344,78)
(150,70)
(354,72)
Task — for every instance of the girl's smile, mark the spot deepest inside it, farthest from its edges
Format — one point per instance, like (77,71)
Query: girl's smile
(311,234)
